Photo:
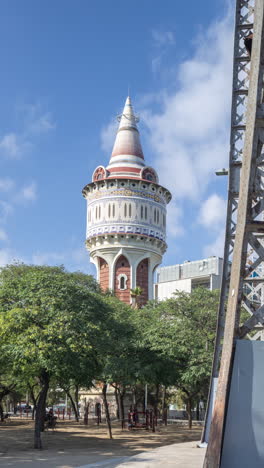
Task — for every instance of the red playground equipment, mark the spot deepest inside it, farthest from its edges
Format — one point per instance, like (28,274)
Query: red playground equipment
(141,420)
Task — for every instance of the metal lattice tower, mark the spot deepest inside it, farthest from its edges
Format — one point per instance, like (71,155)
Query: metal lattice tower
(243,274)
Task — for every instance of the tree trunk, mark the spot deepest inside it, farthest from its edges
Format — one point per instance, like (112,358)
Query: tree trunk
(1,412)
(189,412)
(107,415)
(75,410)
(117,403)
(156,401)
(4,391)
(198,410)
(43,416)
(41,407)
(164,407)
(34,400)
(76,396)
(86,413)
(122,408)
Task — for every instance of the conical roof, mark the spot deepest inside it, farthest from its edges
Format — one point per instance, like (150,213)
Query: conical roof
(127,156)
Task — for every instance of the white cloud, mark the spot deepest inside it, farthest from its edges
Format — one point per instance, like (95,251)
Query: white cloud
(29,192)
(217,246)
(174,220)
(3,235)
(5,210)
(163,38)
(45,258)
(13,146)
(213,212)
(36,120)
(189,135)
(108,136)
(8,256)
(75,259)
(6,184)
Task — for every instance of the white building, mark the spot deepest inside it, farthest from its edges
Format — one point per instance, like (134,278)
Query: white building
(187,276)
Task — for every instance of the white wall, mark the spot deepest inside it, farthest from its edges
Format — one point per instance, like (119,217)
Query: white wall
(166,290)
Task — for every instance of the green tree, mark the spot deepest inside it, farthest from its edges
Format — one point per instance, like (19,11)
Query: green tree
(50,327)
(181,331)
(118,356)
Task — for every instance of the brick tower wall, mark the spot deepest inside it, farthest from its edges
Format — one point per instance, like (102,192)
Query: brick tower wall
(122,267)
(104,274)
(142,281)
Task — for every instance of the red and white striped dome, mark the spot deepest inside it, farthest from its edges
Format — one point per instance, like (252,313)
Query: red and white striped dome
(127,159)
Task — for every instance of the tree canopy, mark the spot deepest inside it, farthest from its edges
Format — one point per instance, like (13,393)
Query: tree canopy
(51,325)
(59,329)
(181,332)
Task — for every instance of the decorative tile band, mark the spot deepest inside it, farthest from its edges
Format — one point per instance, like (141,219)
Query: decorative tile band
(125,230)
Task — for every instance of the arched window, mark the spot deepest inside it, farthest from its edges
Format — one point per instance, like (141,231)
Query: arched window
(129,210)
(146,212)
(125,210)
(154,215)
(157,216)
(122,280)
(109,210)
(113,210)
(141,212)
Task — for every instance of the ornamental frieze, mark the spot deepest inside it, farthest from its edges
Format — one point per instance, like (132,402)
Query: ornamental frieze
(126,193)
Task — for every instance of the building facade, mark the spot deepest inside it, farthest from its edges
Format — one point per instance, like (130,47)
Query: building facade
(188,276)
(126,216)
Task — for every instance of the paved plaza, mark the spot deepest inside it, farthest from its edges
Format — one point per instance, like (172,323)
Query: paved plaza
(185,455)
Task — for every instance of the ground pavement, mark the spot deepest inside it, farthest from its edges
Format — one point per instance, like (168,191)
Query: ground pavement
(184,455)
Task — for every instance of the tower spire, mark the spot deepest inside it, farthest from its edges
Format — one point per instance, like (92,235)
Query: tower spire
(127,139)
(127,152)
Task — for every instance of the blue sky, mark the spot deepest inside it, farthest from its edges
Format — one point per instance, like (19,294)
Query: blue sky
(65,69)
